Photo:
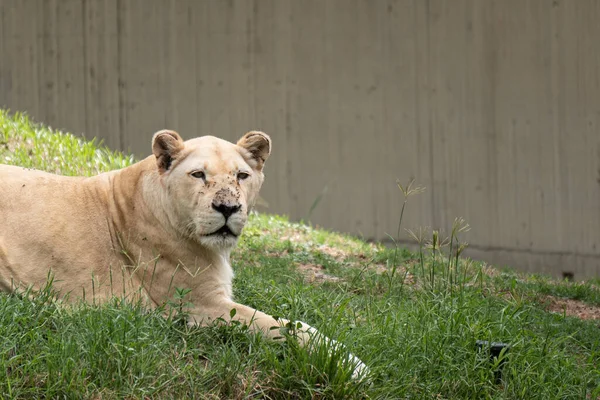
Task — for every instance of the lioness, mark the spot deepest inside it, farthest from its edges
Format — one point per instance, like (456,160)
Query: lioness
(169,221)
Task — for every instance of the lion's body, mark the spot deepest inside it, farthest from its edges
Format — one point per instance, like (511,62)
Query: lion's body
(166,222)
(98,237)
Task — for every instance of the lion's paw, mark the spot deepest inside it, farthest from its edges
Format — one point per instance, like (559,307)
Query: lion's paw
(360,370)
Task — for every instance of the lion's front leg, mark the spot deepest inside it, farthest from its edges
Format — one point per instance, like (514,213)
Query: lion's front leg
(258,321)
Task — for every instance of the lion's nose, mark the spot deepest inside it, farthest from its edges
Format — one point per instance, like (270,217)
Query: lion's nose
(226,209)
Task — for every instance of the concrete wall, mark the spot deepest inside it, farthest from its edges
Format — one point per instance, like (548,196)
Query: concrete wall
(494,106)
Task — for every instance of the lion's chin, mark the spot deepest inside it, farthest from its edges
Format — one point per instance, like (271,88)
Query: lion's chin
(222,239)
(218,242)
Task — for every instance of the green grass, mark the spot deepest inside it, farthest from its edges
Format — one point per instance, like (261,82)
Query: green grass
(413,318)
(32,145)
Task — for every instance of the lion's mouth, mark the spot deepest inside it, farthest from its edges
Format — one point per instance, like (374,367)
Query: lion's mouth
(223,231)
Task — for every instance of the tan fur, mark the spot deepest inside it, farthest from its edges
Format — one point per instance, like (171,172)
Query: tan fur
(140,231)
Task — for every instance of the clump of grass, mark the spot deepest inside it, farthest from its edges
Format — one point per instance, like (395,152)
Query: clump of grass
(444,256)
(28,144)
(413,318)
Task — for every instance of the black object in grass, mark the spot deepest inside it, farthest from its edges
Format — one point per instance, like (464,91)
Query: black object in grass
(495,348)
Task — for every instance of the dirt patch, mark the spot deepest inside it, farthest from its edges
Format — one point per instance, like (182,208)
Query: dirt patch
(294,238)
(401,272)
(570,307)
(315,273)
(337,254)
(338,248)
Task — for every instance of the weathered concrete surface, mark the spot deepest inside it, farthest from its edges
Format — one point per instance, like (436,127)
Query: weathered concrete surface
(494,106)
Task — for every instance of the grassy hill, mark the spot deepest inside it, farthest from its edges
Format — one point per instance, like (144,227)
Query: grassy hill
(414,318)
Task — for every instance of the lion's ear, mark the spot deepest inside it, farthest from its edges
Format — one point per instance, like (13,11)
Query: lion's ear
(166,145)
(258,144)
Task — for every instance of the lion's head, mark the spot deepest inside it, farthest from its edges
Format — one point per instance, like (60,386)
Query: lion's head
(209,185)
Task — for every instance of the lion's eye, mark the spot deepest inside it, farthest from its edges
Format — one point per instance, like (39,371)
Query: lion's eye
(242,175)
(198,174)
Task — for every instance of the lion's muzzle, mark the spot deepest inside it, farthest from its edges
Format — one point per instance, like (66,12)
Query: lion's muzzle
(226,209)
(226,202)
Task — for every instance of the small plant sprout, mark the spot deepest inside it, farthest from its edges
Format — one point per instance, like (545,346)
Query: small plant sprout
(407,191)
(180,305)
(458,226)
(435,246)
(419,237)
